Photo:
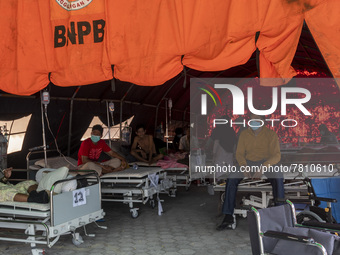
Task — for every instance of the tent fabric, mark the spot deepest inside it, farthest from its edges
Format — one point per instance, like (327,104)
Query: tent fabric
(323,23)
(83,58)
(148,42)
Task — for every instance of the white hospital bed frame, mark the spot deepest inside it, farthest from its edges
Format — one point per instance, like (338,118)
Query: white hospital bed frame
(132,186)
(53,219)
(172,176)
(295,188)
(178,175)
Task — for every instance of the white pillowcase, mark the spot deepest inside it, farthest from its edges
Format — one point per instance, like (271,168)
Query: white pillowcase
(48,179)
(69,185)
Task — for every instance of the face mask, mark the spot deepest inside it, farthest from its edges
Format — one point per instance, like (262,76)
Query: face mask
(256,125)
(95,138)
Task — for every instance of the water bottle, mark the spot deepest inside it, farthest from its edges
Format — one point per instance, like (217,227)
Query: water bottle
(135,166)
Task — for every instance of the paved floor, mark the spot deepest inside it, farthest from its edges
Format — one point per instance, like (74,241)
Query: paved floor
(187,227)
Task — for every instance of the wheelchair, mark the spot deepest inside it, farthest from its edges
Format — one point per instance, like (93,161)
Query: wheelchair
(323,196)
(275,230)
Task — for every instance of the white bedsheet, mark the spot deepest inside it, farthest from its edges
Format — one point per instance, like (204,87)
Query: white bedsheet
(141,163)
(133,173)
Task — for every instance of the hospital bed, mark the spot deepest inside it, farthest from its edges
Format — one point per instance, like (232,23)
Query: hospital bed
(43,224)
(128,186)
(179,175)
(132,186)
(319,162)
(293,190)
(172,176)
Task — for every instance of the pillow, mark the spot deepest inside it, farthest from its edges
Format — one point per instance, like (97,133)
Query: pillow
(50,178)
(57,162)
(42,172)
(69,186)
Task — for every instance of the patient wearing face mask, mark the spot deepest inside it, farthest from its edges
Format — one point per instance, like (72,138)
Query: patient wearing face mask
(257,147)
(90,151)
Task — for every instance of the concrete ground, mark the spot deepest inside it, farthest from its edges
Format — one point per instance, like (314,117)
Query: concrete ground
(187,227)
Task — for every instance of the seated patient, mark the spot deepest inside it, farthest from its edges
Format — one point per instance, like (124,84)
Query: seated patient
(90,151)
(178,136)
(258,147)
(22,192)
(184,142)
(143,148)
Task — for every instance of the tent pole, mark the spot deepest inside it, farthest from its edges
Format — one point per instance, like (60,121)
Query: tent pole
(70,122)
(121,111)
(165,94)
(108,121)
(166,125)
(184,113)
(43,129)
(120,119)
(156,119)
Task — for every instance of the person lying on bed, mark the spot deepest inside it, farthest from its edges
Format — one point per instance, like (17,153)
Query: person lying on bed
(90,151)
(143,148)
(22,192)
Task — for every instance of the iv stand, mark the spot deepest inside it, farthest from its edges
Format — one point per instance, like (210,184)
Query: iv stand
(43,127)
(166,126)
(108,121)
(168,102)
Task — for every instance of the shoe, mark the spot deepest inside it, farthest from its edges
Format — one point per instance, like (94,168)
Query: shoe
(227,223)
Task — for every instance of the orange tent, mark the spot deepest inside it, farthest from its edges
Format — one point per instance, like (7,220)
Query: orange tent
(77,42)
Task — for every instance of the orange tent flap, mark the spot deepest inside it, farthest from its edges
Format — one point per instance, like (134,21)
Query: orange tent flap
(145,41)
(148,42)
(279,36)
(212,35)
(229,36)
(78,41)
(24,63)
(324,23)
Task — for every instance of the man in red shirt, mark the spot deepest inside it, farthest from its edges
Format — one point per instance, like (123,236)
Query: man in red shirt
(90,151)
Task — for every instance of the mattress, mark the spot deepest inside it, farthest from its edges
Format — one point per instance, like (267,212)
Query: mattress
(25,205)
(133,173)
(141,163)
(24,209)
